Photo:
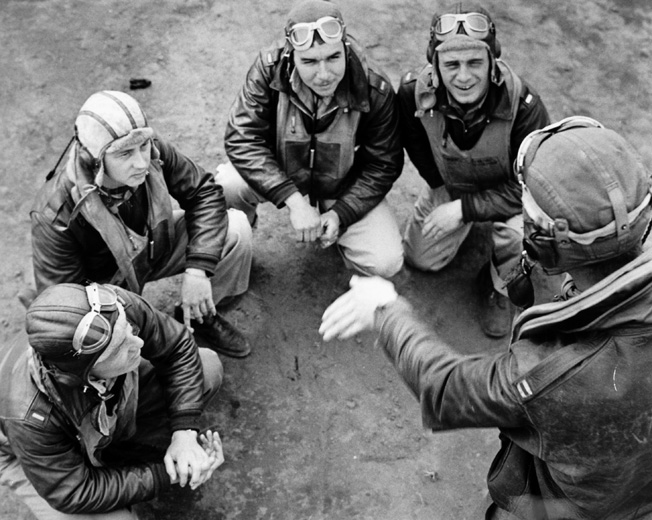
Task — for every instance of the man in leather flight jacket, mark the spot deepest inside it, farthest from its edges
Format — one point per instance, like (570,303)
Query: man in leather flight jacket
(572,396)
(315,129)
(463,117)
(101,405)
(105,214)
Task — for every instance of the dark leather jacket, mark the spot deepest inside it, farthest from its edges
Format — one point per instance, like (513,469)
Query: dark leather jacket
(43,428)
(251,139)
(572,398)
(420,92)
(74,241)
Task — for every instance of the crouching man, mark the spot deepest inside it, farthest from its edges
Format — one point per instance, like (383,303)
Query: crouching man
(572,396)
(101,405)
(106,215)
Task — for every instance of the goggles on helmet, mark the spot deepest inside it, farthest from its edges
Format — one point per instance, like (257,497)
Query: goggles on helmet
(301,35)
(94,331)
(475,25)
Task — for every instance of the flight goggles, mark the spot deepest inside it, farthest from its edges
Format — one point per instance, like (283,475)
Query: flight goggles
(301,35)
(475,25)
(94,330)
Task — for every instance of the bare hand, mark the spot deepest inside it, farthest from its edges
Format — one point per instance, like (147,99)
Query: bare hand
(185,460)
(330,223)
(196,296)
(444,219)
(353,312)
(304,218)
(212,445)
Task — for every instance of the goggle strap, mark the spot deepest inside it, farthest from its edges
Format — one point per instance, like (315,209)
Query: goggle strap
(543,221)
(93,296)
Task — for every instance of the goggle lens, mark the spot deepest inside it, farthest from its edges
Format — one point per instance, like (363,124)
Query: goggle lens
(301,35)
(94,330)
(475,25)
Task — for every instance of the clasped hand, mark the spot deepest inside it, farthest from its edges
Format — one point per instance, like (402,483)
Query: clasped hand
(189,462)
(310,225)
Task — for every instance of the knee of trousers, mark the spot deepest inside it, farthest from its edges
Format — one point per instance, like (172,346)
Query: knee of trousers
(239,236)
(426,260)
(213,373)
(386,265)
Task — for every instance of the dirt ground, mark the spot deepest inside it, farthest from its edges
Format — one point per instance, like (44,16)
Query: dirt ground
(311,430)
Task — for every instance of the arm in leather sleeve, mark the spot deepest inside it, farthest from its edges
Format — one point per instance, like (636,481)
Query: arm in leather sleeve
(250,136)
(378,159)
(454,390)
(170,347)
(204,204)
(56,255)
(53,462)
(504,201)
(414,137)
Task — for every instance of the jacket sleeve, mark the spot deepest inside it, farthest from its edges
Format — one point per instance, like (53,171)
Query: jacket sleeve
(56,254)
(250,135)
(170,347)
(204,204)
(504,201)
(454,390)
(378,158)
(413,135)
(53,462)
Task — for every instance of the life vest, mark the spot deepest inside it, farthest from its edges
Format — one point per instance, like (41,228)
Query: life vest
(485,165)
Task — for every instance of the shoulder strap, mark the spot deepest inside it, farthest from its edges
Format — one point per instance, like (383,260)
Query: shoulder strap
(550,370)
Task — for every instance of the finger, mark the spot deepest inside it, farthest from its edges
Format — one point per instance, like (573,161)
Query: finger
(187,316)
(349,331)
(340,307)
(199,316)
(170,468)
(182,471)
(334,328)
(355,279)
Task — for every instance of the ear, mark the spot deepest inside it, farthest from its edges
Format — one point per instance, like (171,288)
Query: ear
(87,161)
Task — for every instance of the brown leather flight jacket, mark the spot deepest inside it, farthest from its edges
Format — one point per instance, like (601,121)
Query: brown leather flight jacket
(76,238)
(357,173)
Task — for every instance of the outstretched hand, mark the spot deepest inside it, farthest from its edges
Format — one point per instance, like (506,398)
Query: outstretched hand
(353,312)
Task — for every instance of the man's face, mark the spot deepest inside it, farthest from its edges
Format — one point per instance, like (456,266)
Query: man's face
(321,67)
(465,74)
(120,358)
(128,167)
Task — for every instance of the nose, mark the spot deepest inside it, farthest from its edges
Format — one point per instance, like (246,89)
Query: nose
(463,73)
(323,73)
(141,159)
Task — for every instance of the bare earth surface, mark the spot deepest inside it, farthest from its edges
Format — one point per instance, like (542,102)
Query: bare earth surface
(311,430)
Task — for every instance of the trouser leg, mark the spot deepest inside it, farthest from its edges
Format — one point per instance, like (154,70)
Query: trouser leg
(231,276)
(425,253)
(372,245)
(238,193)
(507,247)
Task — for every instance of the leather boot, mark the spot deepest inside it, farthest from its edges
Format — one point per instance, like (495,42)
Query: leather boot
(495,309)
(221,336)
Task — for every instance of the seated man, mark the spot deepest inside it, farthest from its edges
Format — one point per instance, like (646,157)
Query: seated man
(106,215)
(572,396)
(463,117)
(315,129)
(101,405)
